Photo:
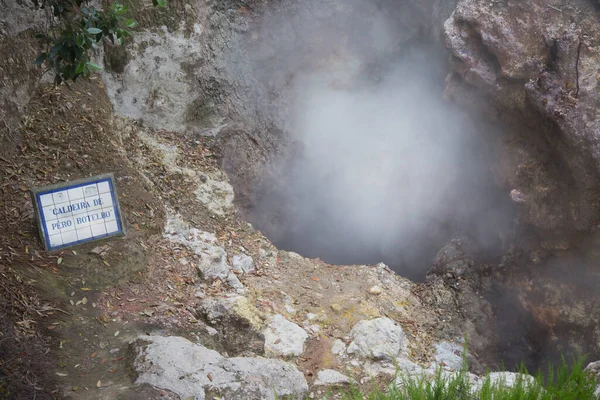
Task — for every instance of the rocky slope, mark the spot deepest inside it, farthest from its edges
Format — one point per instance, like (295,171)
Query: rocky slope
(192,280)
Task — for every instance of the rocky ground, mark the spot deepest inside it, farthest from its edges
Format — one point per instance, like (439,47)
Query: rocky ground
(194,301)
(192,280)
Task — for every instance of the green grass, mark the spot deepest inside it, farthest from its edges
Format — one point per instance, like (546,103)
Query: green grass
(563,382)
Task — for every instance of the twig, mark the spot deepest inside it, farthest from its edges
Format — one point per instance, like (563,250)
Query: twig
(555,8)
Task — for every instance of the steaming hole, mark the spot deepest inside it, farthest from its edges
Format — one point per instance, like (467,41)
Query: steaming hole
(382,169)
(376,166)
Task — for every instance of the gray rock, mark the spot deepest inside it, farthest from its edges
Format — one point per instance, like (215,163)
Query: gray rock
(594,369)
(338,347)
(380,339)
(283,338)
(236,321)
(213,263)
(267,378)
(242,264)
(191,370)
(234,282)
(449,355)
(407,366)
(213,258)
(452,258)
(330,377)
(501,59)
(505,378)
(378,369)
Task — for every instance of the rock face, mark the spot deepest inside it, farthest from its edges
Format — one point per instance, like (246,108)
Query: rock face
(18,74)
(283,338)
(379,339)
(533,66)
(191,370)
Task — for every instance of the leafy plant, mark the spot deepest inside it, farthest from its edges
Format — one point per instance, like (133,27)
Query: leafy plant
(70,42)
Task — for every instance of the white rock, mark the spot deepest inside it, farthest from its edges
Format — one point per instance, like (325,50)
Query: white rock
(233,281)
(449,355)
(330,377)
(594,369)
(407,366)
(213,263)
(283,338)
(375,369)
(213,258)
(242,264)
(508,379)
(189,370)
(311,316)
(338,347)
(376,290)
(380,339)
(211,331)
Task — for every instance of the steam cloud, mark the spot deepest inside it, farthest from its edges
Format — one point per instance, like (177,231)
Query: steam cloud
(380,167)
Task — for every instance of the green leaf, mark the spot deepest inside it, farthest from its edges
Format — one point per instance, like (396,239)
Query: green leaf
(131,23)
(80,68)
(41,58)
(119,8)
(155,3)
(94,31)
(161,3)
(94,66)
(80,40)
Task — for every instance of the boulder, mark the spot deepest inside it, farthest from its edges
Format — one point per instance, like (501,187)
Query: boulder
(283,338)
(379,339)
(191,370)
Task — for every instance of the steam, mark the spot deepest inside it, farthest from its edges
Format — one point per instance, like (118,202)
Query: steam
(380,167)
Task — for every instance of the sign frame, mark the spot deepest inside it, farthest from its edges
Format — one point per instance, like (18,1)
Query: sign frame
(58,187)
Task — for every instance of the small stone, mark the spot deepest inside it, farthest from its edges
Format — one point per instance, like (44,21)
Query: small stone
(517,196)
(242,264)
(338,347)
(234,282)
(284,338)
(211,331)
(330,377)
(376,290)
(336,307)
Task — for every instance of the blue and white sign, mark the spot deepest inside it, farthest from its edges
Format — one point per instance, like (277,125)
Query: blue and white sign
(77,212)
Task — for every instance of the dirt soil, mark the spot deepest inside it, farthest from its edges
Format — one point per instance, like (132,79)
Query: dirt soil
(69,315)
